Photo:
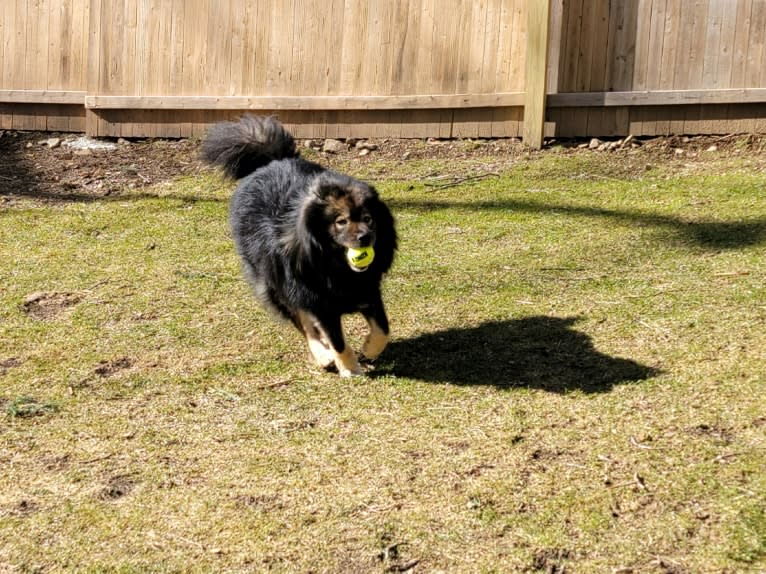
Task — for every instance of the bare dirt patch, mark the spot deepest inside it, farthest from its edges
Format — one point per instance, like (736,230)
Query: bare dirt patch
(117,487)
(8,364)
(50,167)
(46,306)
(109,368)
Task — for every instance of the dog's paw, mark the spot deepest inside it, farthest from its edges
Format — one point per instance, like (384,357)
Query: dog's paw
(374,345)
(348,365)
(322,355)
(351,373)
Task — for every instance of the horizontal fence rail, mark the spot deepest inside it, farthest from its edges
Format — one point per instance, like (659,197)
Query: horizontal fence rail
(401,68)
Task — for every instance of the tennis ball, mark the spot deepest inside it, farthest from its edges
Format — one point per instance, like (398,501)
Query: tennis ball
(360,258)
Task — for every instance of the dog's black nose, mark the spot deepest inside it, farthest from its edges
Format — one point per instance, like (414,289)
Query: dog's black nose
(364,238)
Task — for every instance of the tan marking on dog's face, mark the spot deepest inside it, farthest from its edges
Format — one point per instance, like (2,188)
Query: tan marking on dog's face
(351,222)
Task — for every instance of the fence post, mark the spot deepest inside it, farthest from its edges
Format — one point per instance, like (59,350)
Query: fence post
(538,16)
(93,63)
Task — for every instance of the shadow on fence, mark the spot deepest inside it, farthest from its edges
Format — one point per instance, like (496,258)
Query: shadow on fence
(536,352)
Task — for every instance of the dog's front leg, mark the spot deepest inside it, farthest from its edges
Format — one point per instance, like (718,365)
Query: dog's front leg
(377,338)
(308,325)
(345,359)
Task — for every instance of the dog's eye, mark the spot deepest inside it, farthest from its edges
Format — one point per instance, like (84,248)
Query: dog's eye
(341,221)
(367,219)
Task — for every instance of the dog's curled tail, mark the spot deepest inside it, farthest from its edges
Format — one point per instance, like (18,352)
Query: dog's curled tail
(242,147)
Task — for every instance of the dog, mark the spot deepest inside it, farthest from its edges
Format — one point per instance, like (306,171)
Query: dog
(293,222)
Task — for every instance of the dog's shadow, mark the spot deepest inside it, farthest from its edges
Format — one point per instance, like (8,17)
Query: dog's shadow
(534,352)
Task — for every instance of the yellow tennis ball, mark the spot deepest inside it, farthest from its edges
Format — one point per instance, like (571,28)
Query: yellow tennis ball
(360,258)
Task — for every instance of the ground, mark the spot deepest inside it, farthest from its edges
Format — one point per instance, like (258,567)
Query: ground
(28,166)
(574,382)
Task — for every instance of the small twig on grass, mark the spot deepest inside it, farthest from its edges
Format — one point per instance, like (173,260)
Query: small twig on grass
(655,294)
(186,540)
(98,459)
(596,176)
(635,442)
(458,181)
(722,457)
(638,481)
(667,564)
(726,137)
(406,567)
(731,274)
(96,284)
(275,384)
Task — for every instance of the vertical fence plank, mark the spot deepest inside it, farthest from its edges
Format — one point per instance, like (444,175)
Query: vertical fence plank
(5,32)
(423,62)
(555,45)
(6,29)
(404,41)
(720,76)
(600,57)
(654,50)
(35,49)
(17,47)
(518,43)
(237,29)
(195,52)
(587,46)
(712,50)
(536,72)
(491,35)
(741,37)
(378,60)
(136,37)
(756,59)
(622,45)
(177,64)
(446,29)
(332,71)
(571,55)
(354,36)
(93,65)
(670,44)
(77,76)
(59,26)
(643,37)
(504,46)
(696,62)
(218,45)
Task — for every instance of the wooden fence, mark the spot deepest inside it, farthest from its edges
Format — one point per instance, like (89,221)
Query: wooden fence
(401,68)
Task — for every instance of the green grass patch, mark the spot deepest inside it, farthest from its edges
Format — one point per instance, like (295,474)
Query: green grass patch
(575,381)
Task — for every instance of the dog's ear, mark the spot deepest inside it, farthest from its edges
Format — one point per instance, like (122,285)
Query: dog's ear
(330,185)
(385,231)
(302,238)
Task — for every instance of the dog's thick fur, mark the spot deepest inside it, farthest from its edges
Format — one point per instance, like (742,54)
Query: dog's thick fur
(292,222)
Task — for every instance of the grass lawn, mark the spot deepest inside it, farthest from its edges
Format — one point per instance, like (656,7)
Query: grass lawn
(576,381)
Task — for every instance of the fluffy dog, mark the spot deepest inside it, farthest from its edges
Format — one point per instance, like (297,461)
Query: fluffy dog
(293,222)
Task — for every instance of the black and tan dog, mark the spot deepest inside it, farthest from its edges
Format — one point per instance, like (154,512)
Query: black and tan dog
(293,223)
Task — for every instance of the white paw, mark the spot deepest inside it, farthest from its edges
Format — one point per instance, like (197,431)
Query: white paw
(346,373)
(323,356)
(348,365)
